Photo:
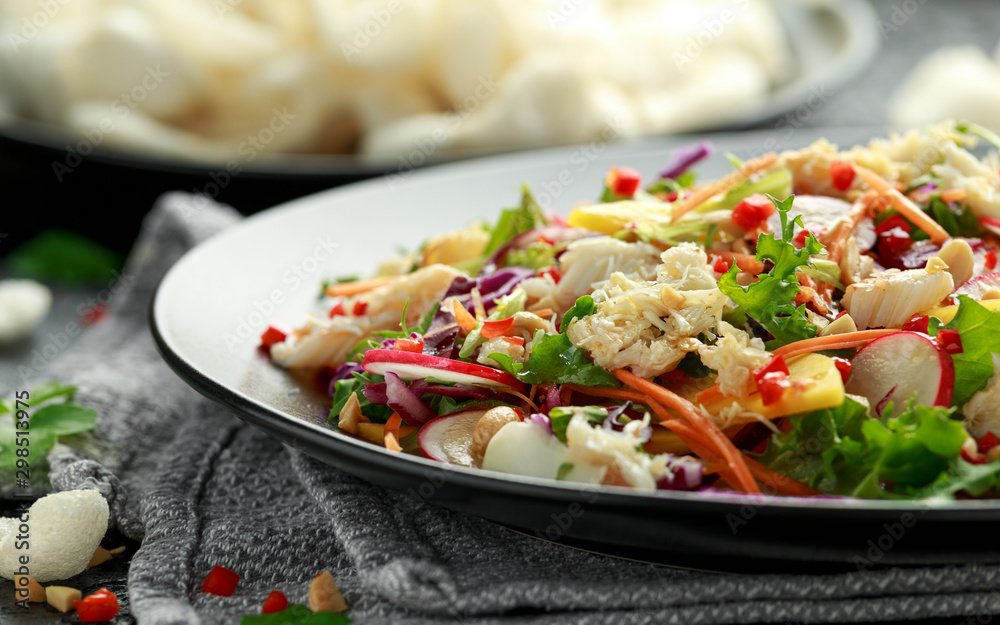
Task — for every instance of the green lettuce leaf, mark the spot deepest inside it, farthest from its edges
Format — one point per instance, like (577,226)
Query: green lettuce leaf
(514,221)
(771,300)
(356,384)
(584,307)
(843,451)
(979,328)
(296,615)
(555,359)
(561,416)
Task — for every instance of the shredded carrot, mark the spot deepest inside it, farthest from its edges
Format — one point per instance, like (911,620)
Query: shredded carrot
(614,393)
(544,312)
(392,432)
(833,341)
(709,395)
(564,395)
(477,304)
(953,195)
(781,482)
(703,450)
(699,420)
(904,205)
(860,208)
(746,262)
(722,185)
(528,402)
(357,287)
(463,317)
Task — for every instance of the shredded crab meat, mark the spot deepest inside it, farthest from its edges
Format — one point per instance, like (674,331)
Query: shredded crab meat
(650,326)
(734,356)
(586,265)
(327,342)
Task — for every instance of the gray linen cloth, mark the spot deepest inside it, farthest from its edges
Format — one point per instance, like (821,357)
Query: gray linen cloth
(199,487)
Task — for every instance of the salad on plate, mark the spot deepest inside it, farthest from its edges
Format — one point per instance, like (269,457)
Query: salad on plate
(819,322)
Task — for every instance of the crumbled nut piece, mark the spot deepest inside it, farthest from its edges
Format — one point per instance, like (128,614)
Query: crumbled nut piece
(100,556)
(62,597)
(324,596)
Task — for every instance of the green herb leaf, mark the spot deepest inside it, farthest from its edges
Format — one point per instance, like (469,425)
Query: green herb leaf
(65,257)
(507,363)
(843,451)
(45,426)
(979,328)
(514,221)
(692,366)
(555,359)
(356,384)
(296,615)
(960,222)
(771,300)
(584,307)
(560,417)
(564,470)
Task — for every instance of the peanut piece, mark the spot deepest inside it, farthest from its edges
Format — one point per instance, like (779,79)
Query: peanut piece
(324,596)
(487,426)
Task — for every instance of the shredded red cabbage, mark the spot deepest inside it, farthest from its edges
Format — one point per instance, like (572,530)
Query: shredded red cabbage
(683,158)
(541,421)
(344,372)
(458,390)
(552,397)
(555,233)
(681,475)
(405,402)
(491,287)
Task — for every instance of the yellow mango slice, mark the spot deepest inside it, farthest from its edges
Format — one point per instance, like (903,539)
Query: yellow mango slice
(375,432)
(947,313)
(612,217)
(823,388)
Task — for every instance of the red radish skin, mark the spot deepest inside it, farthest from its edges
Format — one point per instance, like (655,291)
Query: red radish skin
(978,286)
(411,366)
(908,364)
(449,438)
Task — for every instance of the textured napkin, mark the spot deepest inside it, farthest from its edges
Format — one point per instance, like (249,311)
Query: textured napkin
(198,487)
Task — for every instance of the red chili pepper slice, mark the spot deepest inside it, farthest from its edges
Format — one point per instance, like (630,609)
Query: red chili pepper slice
(275,333)
(987,442)
(950,341)
(842,175)
(772,387)
(777,365)
(338,310)
(752,211)
(917,323)
(409,345)
(220,581)
(275,602)
(844,366)
(494,329)
(98,607)
(623,181)
(551,271)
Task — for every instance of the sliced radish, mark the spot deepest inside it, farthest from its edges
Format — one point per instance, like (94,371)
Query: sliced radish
(906,364)
(411,366)
(977,287)
(525,449)
(449,438)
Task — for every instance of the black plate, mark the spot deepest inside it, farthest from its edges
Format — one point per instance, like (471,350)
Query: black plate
(214,302)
